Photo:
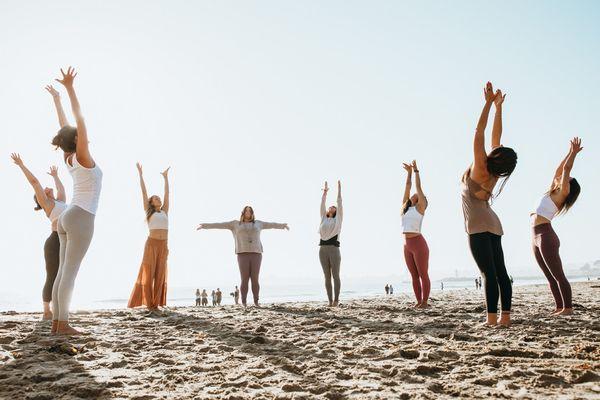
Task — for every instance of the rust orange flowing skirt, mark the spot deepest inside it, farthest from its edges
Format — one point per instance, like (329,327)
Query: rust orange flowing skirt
(151,285)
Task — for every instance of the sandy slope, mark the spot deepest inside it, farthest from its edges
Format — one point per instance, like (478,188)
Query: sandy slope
(368,349)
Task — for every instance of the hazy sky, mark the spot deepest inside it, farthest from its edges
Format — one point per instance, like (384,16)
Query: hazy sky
(259,102)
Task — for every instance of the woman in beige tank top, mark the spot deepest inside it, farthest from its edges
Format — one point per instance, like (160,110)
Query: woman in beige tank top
(481,222)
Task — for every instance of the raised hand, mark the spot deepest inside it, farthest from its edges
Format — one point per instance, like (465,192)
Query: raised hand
(53,171)
(199,227)
(407,167)
(50,89)
(488,93)
(339,185)
(165,172)
(326,188)
(499,98)
(414,166)
(67,78)
(17,159)
(139,168)
(286,227)
(576,145)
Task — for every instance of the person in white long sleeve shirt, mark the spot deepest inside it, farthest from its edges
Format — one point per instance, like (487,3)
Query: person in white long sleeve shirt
(329,245)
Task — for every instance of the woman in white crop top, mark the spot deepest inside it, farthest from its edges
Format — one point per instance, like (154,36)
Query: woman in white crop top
(76,224)
(416,251)
(53,206)
(563,193)
(150,287)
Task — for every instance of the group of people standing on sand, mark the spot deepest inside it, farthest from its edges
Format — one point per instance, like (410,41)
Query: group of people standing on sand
(72,224)
(202,297)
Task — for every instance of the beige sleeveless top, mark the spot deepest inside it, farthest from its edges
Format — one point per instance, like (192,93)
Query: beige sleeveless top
(479,216)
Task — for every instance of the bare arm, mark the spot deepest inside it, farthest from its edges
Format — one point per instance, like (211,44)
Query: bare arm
(408,184)
(497,128)
(323,209)
(62,118)
(82,150)
(566,174)
(143,187)
(422,204)
(340,209)
(60,189)
(165,175)
(479,169)
(33,181)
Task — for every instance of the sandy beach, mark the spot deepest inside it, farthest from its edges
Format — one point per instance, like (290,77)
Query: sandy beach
(377,348)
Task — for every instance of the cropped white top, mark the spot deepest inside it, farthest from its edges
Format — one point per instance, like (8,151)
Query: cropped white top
(158,220)
(412,221)
(58,209)
(87,183)
(546,208)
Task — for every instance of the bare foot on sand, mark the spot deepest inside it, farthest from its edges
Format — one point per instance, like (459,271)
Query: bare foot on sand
(336,303)
(566,311)
(54,326)
(423,305)
(505,319)
(417,305)
(47,316)
(64,328)
(492,319)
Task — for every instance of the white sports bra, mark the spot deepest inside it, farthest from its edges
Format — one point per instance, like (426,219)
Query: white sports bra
(412,221)
(158,220)
(546,208)
(58,209)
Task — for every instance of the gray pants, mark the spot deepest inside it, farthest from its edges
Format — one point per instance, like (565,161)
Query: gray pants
(330,262)
(75,231)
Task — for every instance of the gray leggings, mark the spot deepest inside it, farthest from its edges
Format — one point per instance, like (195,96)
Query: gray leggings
(330,262)
(75,231)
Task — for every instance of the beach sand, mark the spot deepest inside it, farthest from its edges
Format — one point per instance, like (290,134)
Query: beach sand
(378,348)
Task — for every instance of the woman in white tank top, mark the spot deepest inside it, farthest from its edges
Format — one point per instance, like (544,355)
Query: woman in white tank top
(150,287)
(53,207)
(76,224)
(416,251)
(563,193)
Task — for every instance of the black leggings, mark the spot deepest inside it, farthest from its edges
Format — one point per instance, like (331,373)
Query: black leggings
(487,252)
(51,253)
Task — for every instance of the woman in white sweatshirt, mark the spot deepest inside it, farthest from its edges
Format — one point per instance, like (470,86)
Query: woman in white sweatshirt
(329,245)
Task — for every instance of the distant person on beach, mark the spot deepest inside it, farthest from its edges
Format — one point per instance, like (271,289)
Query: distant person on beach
(391,290)
(76,224)
(236,295)
(204,298)
(150,287)
(219,296)
(481,222)
(53,207)
(476,284)
(329,244)
(442,285)
(387,289)
(213,296)
(416,251)
(198,298)
(561,196)
(480,283)
(248,247)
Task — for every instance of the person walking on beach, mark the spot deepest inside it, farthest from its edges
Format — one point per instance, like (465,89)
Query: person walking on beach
(150,288)
(198,298)
(562,194)
(204,298)
(387,289)
(76,224)
(53,207)
(416,251)
(248,247)
(219,296)
(236,295)
(476,284)
(329,245)
(391,290)
(481,222)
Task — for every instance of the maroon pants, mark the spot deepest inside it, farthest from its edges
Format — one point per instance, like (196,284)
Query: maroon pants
(249,264)
(545,249)
(416,254)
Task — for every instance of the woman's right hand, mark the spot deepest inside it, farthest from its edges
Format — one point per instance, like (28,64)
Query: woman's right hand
(576,145)
(326,188)
(139,168)
(17,159)
(68,78)
(50,89)
(407,167)
(53,171)
(488,93)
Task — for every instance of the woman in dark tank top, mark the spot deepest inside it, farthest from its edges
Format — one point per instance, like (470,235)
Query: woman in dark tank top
(481,222)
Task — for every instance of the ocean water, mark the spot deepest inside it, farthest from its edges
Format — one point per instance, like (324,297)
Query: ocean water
(270,293)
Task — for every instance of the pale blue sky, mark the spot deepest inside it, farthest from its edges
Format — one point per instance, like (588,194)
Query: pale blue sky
(258,102)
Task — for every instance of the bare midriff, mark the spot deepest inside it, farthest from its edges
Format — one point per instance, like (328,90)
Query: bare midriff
(160,234)
(409,235)
(538,220)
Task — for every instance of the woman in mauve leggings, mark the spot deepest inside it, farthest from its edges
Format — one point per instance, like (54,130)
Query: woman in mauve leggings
(563,193)
(248,247)
(416,251)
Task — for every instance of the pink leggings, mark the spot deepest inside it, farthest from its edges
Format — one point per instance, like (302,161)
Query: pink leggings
(416,254)
(249,269)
